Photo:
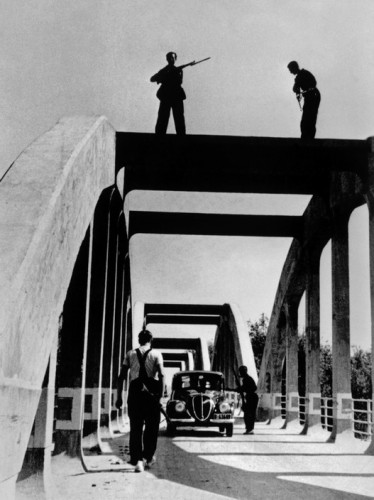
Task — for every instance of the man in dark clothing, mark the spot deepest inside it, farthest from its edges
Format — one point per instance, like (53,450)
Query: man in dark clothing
(144,395)
(171,96)
(306,86)
(247,390)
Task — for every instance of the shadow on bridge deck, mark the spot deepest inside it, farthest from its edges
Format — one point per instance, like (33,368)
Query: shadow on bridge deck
(202,464)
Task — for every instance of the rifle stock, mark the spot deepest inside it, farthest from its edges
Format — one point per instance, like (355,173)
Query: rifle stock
(145,388)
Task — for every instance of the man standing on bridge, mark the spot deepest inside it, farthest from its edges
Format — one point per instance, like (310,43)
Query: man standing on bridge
(171,96)
(247,390)
(144,394)
(306,86)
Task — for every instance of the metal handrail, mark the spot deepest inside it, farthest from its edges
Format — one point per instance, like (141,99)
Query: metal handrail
(302,413)
(325,417)
(284,406)
(362,427)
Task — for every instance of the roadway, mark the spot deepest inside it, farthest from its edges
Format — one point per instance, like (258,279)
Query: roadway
(203,465)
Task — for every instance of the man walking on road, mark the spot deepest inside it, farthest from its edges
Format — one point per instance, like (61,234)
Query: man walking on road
(250,399)
(306,87)
(144,394)
(171,96)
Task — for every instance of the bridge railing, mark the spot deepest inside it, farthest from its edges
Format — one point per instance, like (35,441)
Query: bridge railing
(327,413)
(283,406)
(302,409)
(362,418)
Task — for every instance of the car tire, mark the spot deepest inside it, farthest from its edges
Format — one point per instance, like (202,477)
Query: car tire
(229,430)
(170,429)
(221,429)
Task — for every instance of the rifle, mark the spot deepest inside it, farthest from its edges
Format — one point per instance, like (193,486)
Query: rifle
(192,63)
(145,388)
(299,97)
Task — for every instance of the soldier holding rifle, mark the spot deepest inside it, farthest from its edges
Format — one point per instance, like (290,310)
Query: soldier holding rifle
(305,87)
(171,94)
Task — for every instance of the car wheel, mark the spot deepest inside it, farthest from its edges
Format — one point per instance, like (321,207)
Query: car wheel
(221,428)
(170,428)
(229,430)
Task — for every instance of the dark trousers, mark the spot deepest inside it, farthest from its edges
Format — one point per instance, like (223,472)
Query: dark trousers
(144,415)
(164,114)
(310,112)
(249,410)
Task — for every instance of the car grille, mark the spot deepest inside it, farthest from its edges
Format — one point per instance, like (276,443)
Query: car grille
(201,407)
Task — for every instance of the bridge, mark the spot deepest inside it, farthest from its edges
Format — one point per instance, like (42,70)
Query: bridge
(67,315)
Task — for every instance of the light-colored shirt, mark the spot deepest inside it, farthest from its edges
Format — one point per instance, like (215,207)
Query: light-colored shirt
(153,362)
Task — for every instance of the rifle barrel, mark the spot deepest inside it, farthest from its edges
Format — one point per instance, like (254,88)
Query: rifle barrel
(202,60)
(192,63)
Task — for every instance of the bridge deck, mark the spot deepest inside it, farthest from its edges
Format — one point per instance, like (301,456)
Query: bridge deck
(202,464)
(235,164)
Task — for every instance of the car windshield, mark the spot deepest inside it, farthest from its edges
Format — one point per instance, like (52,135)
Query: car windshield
(198,382)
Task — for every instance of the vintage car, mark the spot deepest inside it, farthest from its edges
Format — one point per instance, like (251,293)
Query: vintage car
(198,399)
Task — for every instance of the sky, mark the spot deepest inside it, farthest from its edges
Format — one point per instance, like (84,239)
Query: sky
(97,56)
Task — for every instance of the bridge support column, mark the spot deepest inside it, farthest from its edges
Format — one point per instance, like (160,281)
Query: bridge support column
(342,396)
(370,203)
(312,345)
(278,358)
(37,461)
(292,370)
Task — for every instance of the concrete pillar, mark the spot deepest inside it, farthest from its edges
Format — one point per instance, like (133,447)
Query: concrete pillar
(278,355)
(370,203)
(70,355)
(312,341)
(97,309)
(137,322)
(340,327)
(37,461)
(292,372)
(191,365)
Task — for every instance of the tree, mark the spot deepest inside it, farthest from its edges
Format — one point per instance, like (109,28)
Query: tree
(361,374)
(325,371)
(257,334)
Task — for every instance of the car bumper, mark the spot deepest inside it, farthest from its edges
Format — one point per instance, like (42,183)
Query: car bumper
(213,422)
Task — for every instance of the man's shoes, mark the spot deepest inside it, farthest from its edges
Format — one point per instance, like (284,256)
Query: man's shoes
(149,463)
(132,462)
(139,467)
(248,432)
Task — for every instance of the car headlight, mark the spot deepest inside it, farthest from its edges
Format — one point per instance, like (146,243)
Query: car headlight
(180,406)
(224,407)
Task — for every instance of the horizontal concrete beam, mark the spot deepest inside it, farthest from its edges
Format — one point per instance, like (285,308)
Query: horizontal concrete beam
(235,164)
(183,309)
(179,319)
(169,356)
(161,343)
(214,224)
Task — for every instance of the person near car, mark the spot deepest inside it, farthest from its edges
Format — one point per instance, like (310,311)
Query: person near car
(144,369)
(248,390)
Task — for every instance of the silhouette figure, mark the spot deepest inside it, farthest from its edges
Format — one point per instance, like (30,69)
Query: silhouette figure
(171,96)
(305,86)
(250,399)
